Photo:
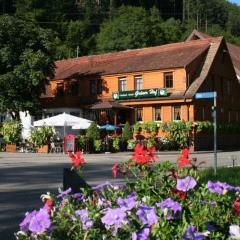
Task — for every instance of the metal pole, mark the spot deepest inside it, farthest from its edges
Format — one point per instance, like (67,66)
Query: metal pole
(215,132)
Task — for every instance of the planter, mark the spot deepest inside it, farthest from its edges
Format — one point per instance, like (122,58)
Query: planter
(71,179)
(43,149)
(11,147)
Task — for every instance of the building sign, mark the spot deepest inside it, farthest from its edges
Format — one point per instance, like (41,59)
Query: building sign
(144,93)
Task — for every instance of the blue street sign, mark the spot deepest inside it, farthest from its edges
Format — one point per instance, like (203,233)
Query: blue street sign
(205,95)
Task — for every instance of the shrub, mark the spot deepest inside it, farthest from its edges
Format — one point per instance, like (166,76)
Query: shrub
(11,131)
(126,132)
(178,132)
(131,144)
(93,131)
(151,142)
(81,142)
(137,127)
(41,136)
(97,145)
(116,144)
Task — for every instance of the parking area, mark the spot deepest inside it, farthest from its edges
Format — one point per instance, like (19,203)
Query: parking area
(25,176)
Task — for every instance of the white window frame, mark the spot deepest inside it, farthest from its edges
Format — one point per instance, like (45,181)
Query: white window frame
(154,113)
(136,84)
(173,107)
(121,79)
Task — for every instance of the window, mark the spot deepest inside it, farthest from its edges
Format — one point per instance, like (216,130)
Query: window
(168,80)
(99,87)
(60,90)
(138,82)
(139,114)
(73,89)
(157,116)
(176,113)
(122,84)
(93,87)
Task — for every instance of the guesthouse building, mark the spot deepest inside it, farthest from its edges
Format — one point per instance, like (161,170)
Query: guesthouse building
(149,84)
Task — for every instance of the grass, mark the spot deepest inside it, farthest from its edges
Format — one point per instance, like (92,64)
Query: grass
(231,175)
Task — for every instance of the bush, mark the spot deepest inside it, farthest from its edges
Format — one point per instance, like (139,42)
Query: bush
(97,145)
(93,132)
(81,142)
(116,144)
(131,143)
(178,132)
(41,136)
(11,131)
(151,142)
(158,202)
(126,132)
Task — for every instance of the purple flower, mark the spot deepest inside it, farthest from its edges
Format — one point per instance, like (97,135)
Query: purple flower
(210,227)
(186,184)
(64,193)
(219,187)
(114,217)
(191,234)
(142,235)
(169,204)
(127,203)
(147,215)
(86,222)
(78,196)
(234,231)
(40,222)
(102,186)
(24,225)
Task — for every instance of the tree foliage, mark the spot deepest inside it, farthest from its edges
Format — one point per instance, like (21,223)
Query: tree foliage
(26,63)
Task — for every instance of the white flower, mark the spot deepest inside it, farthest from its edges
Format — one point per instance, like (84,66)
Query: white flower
(234,232)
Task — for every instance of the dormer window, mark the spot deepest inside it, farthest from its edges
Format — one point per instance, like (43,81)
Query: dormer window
(168,80)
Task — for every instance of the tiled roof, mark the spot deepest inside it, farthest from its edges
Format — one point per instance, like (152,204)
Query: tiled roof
(234,50)
(161,57)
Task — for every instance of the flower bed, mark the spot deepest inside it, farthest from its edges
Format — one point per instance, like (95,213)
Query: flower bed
(159,201)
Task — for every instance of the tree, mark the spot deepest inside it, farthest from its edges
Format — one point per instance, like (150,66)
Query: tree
(127,133)
(129,29)
(132,27)
(171,30)
(26,64)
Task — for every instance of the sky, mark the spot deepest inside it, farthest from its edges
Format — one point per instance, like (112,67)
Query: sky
(235,1)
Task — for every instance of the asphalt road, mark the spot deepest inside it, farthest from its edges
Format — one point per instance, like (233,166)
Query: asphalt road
(25,176)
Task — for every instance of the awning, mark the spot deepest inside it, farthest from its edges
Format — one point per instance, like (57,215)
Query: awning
(108,104)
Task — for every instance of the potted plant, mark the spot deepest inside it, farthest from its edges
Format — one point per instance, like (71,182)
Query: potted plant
(72,176)
(11,131)
(116,144)
(41,136)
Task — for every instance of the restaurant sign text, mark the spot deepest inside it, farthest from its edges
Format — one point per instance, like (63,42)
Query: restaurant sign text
(143,93)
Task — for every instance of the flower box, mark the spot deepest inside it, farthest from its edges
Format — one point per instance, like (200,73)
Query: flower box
(11,147)
(73,180)
(43,149)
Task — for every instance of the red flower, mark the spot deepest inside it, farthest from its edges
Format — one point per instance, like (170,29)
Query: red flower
(236,207)
(49,202)
(180,194)
(142,156)
(183,161)
(77,159)
(115,169)
(151,152)
(185,152)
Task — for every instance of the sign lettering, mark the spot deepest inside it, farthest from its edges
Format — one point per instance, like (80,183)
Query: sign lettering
(144,93)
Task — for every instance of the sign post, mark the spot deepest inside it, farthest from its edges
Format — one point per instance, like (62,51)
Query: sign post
(204,95)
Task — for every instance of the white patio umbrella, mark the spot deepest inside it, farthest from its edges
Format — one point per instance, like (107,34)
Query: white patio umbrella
(60,120)
(83,124)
